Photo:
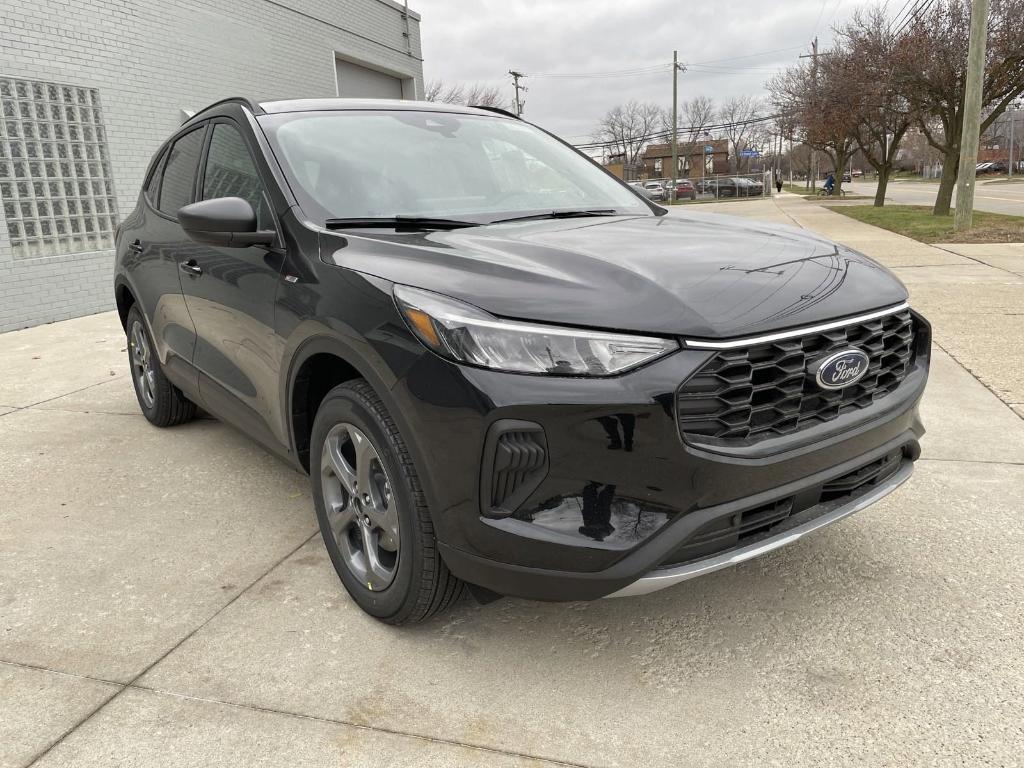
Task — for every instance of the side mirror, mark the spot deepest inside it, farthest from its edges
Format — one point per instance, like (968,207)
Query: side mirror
(229,222)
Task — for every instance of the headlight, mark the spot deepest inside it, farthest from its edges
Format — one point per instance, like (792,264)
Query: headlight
(465,334)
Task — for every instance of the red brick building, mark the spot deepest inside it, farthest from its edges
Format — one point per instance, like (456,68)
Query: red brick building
(657,160)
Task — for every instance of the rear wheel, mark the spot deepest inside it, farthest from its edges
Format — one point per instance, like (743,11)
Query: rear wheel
(371,509)
(162,403)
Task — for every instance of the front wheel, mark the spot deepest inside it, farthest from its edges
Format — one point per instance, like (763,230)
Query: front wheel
(372,512)
(162,403)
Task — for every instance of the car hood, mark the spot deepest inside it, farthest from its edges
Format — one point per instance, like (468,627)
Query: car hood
(700,275)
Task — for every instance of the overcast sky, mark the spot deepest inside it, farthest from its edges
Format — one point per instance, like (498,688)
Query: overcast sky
(480,40)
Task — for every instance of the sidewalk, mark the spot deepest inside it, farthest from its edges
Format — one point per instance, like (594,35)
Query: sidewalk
(165,601)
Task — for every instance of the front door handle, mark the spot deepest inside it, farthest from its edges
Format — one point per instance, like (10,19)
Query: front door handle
(136,247)
(191,267)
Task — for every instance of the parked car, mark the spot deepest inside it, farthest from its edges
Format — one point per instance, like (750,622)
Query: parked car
(654,190)
(719,186)
(847,178)
(553,391)
(747,187)
(991,168)
(685,190)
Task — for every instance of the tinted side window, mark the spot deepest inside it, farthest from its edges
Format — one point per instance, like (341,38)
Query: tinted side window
(231,172)
(180,172)
(154,181)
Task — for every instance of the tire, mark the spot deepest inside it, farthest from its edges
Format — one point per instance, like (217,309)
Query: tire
(399,582)
(162,403)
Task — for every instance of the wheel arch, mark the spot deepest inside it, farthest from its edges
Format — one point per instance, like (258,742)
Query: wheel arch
(318,365)
(125,299)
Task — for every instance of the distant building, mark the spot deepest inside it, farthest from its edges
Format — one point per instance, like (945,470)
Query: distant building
(90,88)
(702,158)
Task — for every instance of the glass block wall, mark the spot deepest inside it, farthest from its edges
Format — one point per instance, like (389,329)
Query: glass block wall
(56,184)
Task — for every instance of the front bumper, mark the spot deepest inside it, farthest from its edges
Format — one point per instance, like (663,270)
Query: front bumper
(667,577)
(639,573)
(623,498)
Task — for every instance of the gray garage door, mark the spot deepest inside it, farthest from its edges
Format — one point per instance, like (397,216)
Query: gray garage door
(359,82)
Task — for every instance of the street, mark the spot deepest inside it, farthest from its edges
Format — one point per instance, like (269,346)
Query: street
(994,197)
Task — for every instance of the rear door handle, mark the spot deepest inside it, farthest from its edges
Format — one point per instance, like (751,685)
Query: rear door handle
(191,267)
(136,247)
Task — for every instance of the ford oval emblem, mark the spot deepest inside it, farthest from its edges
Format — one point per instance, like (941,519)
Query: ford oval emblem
(842,369)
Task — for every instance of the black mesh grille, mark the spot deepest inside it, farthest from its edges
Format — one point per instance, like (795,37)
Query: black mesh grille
(764,391)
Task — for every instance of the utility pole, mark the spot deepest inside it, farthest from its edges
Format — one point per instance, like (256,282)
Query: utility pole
(971,134)
(676,68)
(520,104)
(814,75)
(1013,122)
(813,55)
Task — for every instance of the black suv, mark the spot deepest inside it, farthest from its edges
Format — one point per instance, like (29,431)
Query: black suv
(500,365)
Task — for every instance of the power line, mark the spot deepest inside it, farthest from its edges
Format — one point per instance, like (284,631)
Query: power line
(899,14)
(730,70)
(916,13)
(682,129)
(820,14)
(636,71)
(749,56)
(667,66)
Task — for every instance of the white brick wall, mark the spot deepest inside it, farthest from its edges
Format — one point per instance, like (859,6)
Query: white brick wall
(152,58)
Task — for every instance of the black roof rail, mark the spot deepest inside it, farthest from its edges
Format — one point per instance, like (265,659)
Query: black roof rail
(497,111)
(250,104)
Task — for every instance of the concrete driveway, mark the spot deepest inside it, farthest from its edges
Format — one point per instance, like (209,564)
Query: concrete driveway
(164,601)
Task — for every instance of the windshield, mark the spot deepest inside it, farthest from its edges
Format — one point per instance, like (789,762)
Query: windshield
(357,164)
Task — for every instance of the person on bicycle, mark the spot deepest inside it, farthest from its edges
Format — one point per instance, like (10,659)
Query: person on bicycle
(830,184)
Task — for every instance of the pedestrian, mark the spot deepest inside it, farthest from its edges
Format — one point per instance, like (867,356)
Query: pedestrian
(778,182)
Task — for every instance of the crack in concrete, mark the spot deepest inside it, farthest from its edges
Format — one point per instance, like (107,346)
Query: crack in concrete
(131,683)
(978,379)
(976,260)
(361,726)
(974,461)
(63,394)
(266,710)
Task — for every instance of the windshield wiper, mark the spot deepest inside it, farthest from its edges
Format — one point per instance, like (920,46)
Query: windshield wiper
(410,223)
(561,215)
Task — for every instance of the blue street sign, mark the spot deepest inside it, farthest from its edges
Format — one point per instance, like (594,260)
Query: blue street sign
(750,153)
(708,149)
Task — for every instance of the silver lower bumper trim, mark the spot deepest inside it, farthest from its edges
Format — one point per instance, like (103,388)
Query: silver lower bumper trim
(668,577)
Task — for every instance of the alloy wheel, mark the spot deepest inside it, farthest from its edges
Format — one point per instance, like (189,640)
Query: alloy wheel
(143,370)
(361,509)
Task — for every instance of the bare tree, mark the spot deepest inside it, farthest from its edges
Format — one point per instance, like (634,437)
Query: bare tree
(695,115)
(815,96)
(629,128)
(438,90)
(737,115)
(474,94)
(871,59)
(480,95)
(936,83)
